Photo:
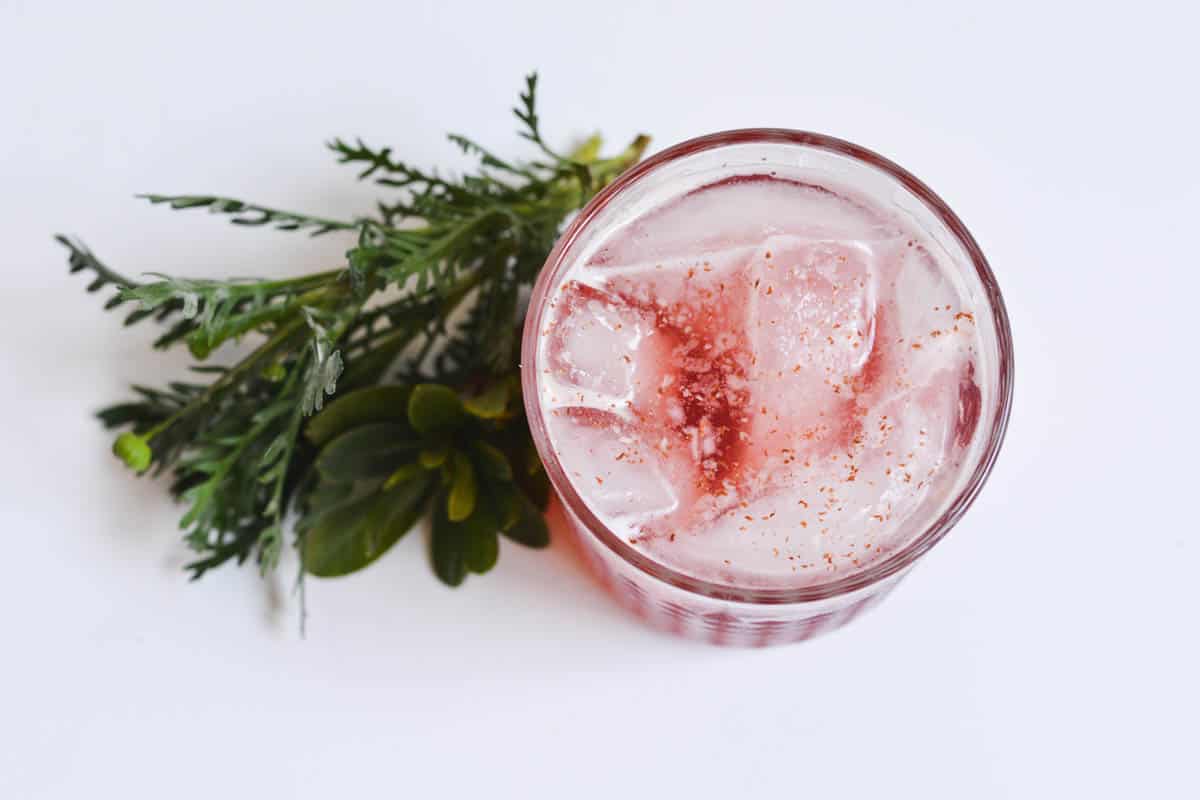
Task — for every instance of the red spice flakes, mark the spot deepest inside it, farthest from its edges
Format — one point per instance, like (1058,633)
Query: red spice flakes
(749,518)
(768,254)
(672,537)
(628,360)
(916,346)
(804,503)
(877,517)
(828,558)
(803,524)
(967,315)
(620,456)
(853,474)
(770,290)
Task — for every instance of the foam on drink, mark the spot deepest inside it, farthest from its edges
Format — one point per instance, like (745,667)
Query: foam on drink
(762,383)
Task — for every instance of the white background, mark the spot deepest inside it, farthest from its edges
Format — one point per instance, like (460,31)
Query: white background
(1048,648)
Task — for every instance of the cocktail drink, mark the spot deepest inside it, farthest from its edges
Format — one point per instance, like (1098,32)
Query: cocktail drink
(766,371)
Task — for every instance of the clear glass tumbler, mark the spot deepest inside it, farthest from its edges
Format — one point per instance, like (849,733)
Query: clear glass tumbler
(732,615)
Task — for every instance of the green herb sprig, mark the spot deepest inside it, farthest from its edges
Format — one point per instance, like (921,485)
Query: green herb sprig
(379,391)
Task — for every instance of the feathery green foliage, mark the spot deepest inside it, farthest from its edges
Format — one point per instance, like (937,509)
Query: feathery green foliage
(360,412)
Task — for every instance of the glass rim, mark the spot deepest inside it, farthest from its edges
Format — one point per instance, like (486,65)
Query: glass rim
(896,562)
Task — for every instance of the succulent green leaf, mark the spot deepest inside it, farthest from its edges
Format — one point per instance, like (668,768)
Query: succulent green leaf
(434,457)
(447,546)
(481,549)
(374,404)
(348,537)
(368,451)
(404,474)
(530,528)
(434,409)
(491,403)
(460,502)
(492,463)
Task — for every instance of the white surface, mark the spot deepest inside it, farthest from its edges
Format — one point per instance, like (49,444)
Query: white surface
(1048,648)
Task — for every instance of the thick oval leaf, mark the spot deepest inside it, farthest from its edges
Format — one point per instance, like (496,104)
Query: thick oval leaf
(502,498)
(434,457)
(434,408)
(325,496)
(350,536)
(530,528)
(481,550)
(492,463)
(403,475)
(480,545)
(469,545)
(369,451)
(460,502)
(491,403)
(446,546)
(536,487)
(376,404)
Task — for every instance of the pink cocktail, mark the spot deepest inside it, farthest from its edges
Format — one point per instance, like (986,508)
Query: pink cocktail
(766,371)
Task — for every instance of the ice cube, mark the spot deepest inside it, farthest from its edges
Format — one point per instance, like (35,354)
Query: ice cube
(814,306)
(592,344)
(616,470)
(813,323)
(702,274)
(737,215)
